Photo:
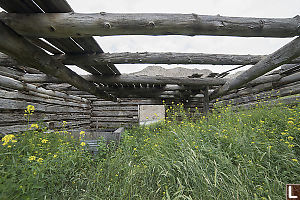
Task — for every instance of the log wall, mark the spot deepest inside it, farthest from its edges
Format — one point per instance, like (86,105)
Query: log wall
(284,84)
(51,110)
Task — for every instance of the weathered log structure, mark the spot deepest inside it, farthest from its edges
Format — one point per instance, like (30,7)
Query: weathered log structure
(39,38)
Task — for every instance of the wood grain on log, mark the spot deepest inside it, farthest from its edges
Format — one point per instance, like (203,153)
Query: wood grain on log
(17,85)
(59,25)
(150,58)
(130,79)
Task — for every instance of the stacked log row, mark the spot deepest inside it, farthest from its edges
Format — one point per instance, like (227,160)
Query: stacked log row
(281,85)
(50,109)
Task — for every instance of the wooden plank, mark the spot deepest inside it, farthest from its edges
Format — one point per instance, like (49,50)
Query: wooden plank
(282,56)
(114,113)
(88,44)
(67,44)
(113,119)
(44,45)
(101,24)
(117,108)
(22,50)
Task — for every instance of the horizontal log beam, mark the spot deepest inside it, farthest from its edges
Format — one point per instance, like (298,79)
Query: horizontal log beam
(150,58)
(17,85)
(58,25)
(282,56)
(25,52)
(129,79)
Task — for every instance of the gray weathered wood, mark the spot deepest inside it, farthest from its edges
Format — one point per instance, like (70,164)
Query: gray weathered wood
(288,100)
(27,53)
(32,97)
(150,58)
(81,25)
(282,56)
(17,85)
(12,118)
(162,58)
(9,104)
(130,79)
(246,96)
(206,101)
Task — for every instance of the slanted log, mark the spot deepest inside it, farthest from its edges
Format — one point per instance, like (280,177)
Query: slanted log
(17,85)
(282,56)
(130,79)
(58,25)
(25,52)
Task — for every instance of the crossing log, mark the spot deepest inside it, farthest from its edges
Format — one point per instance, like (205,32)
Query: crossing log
(59,25)
(282,56)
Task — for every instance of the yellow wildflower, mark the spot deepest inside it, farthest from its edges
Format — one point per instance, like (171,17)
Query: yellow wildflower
(29,109)
(82,133)
(291,145)
(44,141)
(283,133)
(31,158)
(295,160)
(34,126)
(6,139)
(55,155)
(40,160)
(290,122)
(290,138)
(82,143)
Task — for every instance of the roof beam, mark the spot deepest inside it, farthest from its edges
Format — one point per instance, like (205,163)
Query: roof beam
(151,58)
(62,25)
(25,52)
(282,56)
(129,79)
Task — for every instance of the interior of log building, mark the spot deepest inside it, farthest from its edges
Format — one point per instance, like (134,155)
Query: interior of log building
(38,39)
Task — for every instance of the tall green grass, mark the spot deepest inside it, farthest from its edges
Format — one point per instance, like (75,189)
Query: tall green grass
(245,154)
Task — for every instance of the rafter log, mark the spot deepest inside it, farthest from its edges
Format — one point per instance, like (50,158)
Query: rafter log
(25,52)
(282,56)
(129,79)
(150,58)
(58,25)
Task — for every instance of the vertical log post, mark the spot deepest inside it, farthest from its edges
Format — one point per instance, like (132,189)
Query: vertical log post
(205,100)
